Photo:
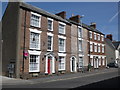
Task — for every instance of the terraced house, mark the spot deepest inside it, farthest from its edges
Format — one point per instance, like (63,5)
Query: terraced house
(36,42)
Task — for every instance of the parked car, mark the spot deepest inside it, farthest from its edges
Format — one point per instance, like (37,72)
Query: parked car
(112,64)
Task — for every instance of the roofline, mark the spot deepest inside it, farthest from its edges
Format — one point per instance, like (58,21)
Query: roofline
(40,11)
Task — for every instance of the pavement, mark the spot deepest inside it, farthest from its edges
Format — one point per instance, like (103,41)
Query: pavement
(14,81)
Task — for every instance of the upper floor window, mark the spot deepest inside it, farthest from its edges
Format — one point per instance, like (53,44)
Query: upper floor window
(99,37)
(62,28)
(50,24)
(90,34)
(34,40)
(95,48)
(102,49)
(35,19)
(99,48)
(102,38)
(95,37)
(80,45)
(50,43)
(91,47)
(80,32)
(61,45)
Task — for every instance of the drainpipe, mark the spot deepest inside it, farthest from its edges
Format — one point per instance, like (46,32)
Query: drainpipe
(24,41)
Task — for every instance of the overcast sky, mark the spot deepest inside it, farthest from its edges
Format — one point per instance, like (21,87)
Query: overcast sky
(104,14)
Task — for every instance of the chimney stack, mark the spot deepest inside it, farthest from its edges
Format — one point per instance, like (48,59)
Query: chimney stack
(109,36)
(93,25)
(75,18)
(62,14)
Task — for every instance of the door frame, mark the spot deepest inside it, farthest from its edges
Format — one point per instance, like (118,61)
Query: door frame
(53,64)
(75,69)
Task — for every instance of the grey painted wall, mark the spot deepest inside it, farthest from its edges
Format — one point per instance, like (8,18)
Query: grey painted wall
(110,52)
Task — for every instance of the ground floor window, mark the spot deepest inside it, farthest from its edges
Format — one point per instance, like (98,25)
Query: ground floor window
(34,63)
(61,65)
(80,62)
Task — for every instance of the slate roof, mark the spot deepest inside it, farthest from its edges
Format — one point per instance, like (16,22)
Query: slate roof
(85,26)
(45,13)
(42,12)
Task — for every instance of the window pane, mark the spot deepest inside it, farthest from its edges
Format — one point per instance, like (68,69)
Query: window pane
(33,64)
(79,32)
(34,40)
(61,44)
(49,42)
(80,62)
(80,45)
(49,25)
(35,20)
(61,29)
(61,63)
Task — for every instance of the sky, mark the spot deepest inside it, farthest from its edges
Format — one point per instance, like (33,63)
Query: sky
(104,14)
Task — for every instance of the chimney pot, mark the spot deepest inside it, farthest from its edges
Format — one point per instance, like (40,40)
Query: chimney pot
(75,18)
(93,25)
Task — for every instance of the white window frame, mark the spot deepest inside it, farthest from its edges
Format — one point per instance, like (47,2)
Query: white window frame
(82,63)
(90,34)
(51,25)
(79,28)
(102,37)
(99,61)
(95,36)
(38,32)
(64,62)
(91,47)
(103,48)
(62,37)
(98,37)
(79,45)
(38,15)
(99,49)
(50,34)
(64,27)
(95,47)
(34,53)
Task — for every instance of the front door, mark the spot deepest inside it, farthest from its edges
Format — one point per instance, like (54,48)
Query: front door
(49,65)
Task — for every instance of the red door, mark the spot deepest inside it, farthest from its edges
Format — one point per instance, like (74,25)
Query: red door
(48,66)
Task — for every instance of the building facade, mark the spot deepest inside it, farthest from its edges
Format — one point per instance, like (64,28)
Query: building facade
(37,43)
(96,45)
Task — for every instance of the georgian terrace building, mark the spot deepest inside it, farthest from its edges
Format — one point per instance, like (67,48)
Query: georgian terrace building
(37,43)
(96,45)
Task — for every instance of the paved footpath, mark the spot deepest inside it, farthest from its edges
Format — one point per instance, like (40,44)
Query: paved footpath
(13,81)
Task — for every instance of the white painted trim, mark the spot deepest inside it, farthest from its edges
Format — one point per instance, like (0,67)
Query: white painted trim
(50,34)
(39,18)
(50,19)
(60,36)
(71,64)
(79,27)
(53,64)
(52,24)
(36,14)
(96,42)
(34,30)
(80,55)
(62,23)
(38,32)
(34,52)
(61,54)
(80,39)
